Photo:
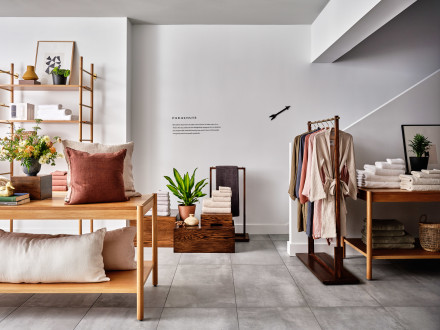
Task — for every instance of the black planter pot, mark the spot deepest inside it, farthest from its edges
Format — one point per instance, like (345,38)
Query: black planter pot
(33,169)
(418,163)
(58,80)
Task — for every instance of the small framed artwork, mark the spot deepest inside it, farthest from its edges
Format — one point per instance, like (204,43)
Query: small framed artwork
(51,54)
(432,133)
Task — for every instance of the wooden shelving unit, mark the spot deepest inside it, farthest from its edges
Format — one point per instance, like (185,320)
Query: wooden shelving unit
(12,88)
(389,196)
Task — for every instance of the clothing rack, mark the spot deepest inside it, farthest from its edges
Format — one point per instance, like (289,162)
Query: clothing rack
(329,270)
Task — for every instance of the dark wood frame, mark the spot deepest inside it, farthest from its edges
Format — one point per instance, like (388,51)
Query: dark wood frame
(239,237)
(404,142)
(330,270)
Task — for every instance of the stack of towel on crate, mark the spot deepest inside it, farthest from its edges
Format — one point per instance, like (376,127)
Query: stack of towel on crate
(59,181)
(381,174)
(220,201)
(426,180)
(389,234)
(163,204)
(53,112)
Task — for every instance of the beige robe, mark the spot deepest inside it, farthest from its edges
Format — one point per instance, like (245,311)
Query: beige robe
(322,162)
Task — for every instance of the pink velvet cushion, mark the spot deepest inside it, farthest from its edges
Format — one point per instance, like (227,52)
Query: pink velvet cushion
(96,178)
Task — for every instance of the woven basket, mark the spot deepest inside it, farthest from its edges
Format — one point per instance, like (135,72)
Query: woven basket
(429,234)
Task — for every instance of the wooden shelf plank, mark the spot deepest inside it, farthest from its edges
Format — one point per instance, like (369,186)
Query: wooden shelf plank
(399,195)
(40,87)
(120,282)
(416,253)
(44,121)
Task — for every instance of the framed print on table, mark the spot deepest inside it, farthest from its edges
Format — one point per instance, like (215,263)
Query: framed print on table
(432,133)
(51,54)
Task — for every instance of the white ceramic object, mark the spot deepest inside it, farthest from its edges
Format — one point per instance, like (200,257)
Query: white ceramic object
(191,220)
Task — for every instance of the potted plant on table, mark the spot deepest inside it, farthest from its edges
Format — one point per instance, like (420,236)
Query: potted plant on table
(59,76)
(187,191)
(31,149)
(420,146)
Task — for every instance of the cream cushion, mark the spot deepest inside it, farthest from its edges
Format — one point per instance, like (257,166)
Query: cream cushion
(52,260)
(94,148)
(118,251)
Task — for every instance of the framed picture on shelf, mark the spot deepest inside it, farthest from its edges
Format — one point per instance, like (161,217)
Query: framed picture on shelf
(51,54)
(432,133)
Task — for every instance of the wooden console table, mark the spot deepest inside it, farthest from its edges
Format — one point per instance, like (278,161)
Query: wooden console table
(132,281)
(386,196)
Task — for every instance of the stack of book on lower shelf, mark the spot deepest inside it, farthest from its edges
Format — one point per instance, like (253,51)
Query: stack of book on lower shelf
(16,199)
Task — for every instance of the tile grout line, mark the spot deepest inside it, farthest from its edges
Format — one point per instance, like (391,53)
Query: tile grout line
(85,314)
(12,311)
(235,295)
(299,287)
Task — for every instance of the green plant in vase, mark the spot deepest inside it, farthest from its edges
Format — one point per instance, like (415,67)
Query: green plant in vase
(187,191)
(419,146)
(59,76)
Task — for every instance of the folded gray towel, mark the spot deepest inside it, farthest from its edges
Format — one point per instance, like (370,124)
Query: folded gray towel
(387,224)
(407,238)
(392,246)
(382,233)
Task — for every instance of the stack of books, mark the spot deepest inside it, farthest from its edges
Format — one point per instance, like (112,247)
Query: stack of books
(16,199)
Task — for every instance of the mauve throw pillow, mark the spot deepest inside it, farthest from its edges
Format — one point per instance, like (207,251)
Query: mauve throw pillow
(96,178)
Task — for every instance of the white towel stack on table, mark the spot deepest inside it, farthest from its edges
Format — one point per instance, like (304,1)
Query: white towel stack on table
(220,201)
(53,112)
(426,180)
(163,204)
(381,174)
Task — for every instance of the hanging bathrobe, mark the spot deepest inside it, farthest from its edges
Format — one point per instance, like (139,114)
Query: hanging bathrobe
(324,189)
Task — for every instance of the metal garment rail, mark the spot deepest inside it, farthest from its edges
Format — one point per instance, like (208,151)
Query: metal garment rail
(330,270)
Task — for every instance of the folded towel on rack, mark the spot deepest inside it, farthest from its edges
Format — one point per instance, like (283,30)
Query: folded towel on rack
(431,171)
(159,214)
(216,209)
(162,193)
(407,238)
(60,116)
(395,161)
(372,184)
(163,198)
(392,245)
(59,182)
(50,107)
(208,202)
(226,189)
(389,166)
(419,187)
(382,233)
(419,181)
(163,208)
(418,174)
(382,171)
(59,188)
(221,199)
(217,193)
(386,224)
(168,203)
(368,176)
(59,173)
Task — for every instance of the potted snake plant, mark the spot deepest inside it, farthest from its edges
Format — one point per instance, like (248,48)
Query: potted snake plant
(420,146)
(187,191)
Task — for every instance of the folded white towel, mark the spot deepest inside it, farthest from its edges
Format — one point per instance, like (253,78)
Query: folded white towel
(389,166)
(163,208)
(415,180)
(368,176)
(431,171)
(163,193)
(395,161)
(224,188)
(163,198)
(160,214)
(50,107)
(216,210)
(372,184)
(420,187)
(217,193)
(208,202)
(159,202)
(221,199)
(418,174)
(382,171)
(60,116)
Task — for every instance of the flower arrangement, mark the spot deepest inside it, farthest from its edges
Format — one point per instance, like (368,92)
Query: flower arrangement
(28,146)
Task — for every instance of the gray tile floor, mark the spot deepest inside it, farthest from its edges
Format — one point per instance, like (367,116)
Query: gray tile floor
(258,287)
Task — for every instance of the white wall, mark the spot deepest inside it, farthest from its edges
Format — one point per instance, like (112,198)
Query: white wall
(239,75)
(102,41)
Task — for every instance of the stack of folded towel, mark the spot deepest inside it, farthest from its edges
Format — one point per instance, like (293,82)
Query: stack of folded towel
(220,201)
(426,180)
(53,112)
(381,174)
(163,204)
(59,181)
(389,234)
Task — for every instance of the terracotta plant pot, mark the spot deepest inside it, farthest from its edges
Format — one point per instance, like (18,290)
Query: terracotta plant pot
(186,210)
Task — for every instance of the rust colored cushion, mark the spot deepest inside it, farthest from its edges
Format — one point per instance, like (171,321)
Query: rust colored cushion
(96,178)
